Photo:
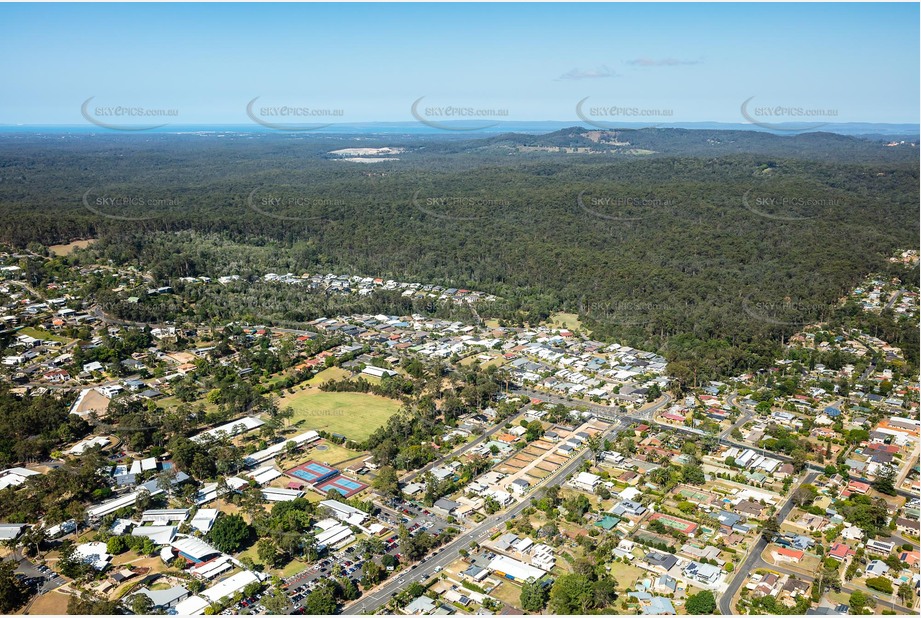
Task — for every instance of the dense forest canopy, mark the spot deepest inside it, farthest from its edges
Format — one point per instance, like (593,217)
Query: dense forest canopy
(711,248)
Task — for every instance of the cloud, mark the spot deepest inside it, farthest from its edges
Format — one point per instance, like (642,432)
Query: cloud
(664,62)
(576,74)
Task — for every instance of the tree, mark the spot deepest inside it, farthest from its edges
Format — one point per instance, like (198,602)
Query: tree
(230,533)
(572,594)
(387,482)
(320,602)
(693,474)
(276,602)
(267,552)
(701,603)
(881,584)
(534,596)
(906,594)
(13,593)
(885,481)
(141,604)
(858,601)
(770,529)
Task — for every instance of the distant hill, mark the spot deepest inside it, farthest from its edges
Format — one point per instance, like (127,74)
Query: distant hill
(819,145)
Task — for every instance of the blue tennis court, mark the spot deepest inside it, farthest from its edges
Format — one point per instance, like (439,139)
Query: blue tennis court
(344,485)
(312,472)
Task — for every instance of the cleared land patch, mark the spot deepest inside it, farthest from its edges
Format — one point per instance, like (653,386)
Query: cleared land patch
(354,415)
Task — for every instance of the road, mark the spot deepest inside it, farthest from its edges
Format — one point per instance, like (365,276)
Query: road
(603,411)
(754,556)
(449,553)
(460,450)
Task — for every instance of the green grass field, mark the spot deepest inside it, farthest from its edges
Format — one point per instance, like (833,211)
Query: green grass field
(40,333)
(354,415)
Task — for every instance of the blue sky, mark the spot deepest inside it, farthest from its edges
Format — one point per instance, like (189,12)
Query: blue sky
(700,62)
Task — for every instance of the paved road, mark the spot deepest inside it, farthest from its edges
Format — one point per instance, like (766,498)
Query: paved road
(462,449)
(605,412)
(478,534)
(754,557)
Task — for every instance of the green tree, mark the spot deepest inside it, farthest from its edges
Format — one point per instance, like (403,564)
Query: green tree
(572,594)
(320,602)
(534,596)
(882,584)
(230,533)
(885,481)
(770,529)
(141,604)
(276,602)
(387,482)
(701,603)
(13,594)
(858,602)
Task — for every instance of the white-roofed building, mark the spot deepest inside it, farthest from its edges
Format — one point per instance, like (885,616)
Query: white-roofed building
(344,512)
(204,520)
(213,568)
(273,451)
(84,445)
(264,475)
(280,494)
(160,535)
(230,586)
(193,549)
(14,477)
(10,532)
(334,536)
(143,465)
(503,566)
(93,554)
(586,481)
(161,517)
(110,506)
(192,606)
(233,428)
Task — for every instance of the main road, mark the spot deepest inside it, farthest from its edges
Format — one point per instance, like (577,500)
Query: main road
(754,557)
(449,553)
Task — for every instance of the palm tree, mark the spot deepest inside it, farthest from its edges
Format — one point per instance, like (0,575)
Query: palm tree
(594,444)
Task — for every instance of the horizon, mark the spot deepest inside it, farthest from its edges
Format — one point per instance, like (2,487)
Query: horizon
(311,66)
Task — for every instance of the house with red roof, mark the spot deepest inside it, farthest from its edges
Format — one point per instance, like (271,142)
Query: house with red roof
(840,552)
(857,486)
(784,554)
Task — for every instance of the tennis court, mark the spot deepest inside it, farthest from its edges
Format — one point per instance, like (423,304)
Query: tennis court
(344,485)
(312,472)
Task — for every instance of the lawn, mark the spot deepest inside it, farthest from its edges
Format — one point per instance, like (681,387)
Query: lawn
(508,593)
(354,415)
(626,574)
(332,373)
(566,320)
(40,333)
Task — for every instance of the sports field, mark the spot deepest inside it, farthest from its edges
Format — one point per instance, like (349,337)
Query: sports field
(354,415)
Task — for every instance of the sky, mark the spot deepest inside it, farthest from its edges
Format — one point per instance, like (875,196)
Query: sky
(536,62)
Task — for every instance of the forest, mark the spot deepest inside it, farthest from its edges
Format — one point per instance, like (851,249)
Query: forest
(712,250)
